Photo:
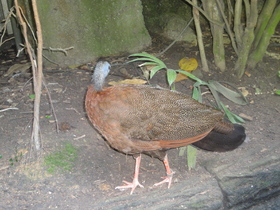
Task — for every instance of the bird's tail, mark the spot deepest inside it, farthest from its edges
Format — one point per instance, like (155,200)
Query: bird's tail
(219,142)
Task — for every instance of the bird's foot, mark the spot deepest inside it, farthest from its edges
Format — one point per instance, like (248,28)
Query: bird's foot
(131,185)
(167,179)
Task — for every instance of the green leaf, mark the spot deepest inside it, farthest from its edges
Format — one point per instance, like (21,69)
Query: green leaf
(277,92)
(191,76)
(171,76)
(154,70)
(182,151)
(148,63)
(191,156)
(233,118)
(32,96)
(215,95)
(142,59)
(147,57)
(236,97)
(197,94)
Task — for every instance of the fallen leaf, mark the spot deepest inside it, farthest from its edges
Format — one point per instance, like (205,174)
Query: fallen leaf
(188,64)
(244,91)
(245,117)
(247,73)
(180,77)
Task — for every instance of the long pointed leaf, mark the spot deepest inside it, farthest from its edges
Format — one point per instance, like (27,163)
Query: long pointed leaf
(232,117)
(191,156)
(228,93)
(142,59)
(154,70)
(148,63)
(215,95)
(149,57)
(192,77)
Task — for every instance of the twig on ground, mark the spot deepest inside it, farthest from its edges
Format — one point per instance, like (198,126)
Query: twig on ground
(59,49)
(10,108)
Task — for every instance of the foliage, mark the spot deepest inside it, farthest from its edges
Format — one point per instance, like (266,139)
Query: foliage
(249,30)
(62,159)
(214,86)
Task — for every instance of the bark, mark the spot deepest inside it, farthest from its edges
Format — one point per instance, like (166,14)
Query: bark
(263,19)
(257,55)
(213,11)
(237,23)
(36,68)
(199,38)
(37,78)
(247,40)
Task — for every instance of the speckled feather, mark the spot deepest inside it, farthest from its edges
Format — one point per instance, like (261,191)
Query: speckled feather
(138,118)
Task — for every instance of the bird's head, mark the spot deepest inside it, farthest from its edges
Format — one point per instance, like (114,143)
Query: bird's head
(101,71)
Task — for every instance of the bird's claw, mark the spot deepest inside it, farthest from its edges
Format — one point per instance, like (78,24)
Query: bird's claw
(167,179)
(131,185)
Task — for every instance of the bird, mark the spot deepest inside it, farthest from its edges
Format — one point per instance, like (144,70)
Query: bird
(142,119)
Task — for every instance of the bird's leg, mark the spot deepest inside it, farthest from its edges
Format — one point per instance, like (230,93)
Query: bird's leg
(169,173)
(135,181)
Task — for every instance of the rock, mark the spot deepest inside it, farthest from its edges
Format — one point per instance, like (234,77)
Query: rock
(174,27)
(248,179)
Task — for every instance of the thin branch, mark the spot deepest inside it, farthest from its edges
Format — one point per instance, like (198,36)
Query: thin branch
(37,76)
(59,49)
(6,40)
(53,110)
(169,46)
(199,38)
(3,110)
(29,26)
(228,29)
(35,131)
(203,13)
(4,28)
(50,60)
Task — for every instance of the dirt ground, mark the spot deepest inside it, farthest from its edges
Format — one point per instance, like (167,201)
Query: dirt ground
(97,169)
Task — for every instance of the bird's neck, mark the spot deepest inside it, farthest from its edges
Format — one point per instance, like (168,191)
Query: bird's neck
(98,79)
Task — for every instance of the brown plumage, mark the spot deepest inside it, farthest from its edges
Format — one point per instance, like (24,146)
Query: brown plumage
(138,119)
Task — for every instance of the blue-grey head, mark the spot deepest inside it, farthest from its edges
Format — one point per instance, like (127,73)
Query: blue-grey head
(101,71)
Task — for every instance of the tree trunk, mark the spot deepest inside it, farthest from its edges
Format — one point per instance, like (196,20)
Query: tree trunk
(213,11)
(199,38)
(247,40)
(257,55)
(263,19)
(237,23)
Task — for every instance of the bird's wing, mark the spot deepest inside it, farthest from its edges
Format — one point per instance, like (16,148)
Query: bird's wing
(147,113)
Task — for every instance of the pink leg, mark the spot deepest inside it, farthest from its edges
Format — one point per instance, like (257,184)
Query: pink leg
(169,173)
(135,181)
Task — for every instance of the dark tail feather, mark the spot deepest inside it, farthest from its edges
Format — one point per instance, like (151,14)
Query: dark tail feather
(218,142)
